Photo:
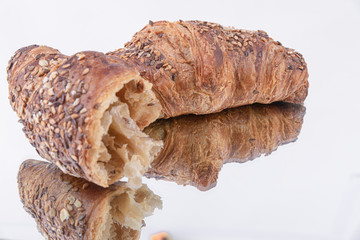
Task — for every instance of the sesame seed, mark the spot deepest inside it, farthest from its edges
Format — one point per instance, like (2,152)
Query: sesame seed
(64,215)
(52,121)
(77,203)
(74,116)
(26,75)
(60,108)
(41,72)
(30,67)
(69,207)
(71,199)
(86,70)
(53,110)
(66,66)
(158,66)
(83,111)
(43,63)
(35,71)
(51,91)
(76,102)
(68,87)
(80,56)
(53,75)
(86,185)
(52,212)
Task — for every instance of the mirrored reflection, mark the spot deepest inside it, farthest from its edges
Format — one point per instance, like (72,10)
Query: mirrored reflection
(196,147)
(66,207)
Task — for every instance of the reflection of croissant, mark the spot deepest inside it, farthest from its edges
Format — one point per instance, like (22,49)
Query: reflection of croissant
(66,207)
(85,112)
(195,147)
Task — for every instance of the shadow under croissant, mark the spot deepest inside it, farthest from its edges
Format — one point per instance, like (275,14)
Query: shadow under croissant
(196,147)
(66,207)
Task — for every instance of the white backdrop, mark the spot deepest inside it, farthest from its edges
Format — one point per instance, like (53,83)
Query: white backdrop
(306,190)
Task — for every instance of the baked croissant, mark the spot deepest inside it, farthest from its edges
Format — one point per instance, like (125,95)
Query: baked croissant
(86,112)
(65,207)
(196,147)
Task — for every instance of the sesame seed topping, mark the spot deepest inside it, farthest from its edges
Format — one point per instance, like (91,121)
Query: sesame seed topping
(52,212)
(76,102)
(43,63)
(71,199)
(77,203)
(80,56)
(83,111)
(53,75)
(86,185)
(51,91)
(64,215)
(74,116)
(69,207)
(35,71)
(66,66)
(86,70)
(30,68)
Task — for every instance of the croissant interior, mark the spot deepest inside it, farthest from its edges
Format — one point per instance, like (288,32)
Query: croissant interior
(125,213)
(124,149)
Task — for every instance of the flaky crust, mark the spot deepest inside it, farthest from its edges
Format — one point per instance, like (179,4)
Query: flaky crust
(193,67)
(196,147)
(66,207)
(60,101)
(200,67)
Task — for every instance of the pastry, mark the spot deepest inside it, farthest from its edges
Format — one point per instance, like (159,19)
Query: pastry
(65,207)
(86,112)
(196,147)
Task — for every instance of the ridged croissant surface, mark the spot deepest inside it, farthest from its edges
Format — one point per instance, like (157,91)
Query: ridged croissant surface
(65,207)
(86,112)
(196,147)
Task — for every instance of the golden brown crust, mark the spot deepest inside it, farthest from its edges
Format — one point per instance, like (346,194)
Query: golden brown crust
(66,207)
(200,67)
(60,101)
(194,67)
(196,147)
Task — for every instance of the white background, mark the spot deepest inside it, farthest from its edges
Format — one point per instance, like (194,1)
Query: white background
(306,190)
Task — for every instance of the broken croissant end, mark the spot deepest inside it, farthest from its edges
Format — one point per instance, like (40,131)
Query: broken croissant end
(85,113)
(66,207)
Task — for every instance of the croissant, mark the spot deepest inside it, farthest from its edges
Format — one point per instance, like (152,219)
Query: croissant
(196,147)
(65,207)
(86,112)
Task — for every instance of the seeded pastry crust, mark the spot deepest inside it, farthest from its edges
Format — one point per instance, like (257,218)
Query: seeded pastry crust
(65,207)
(73,107)
(200,67)
(85,112)
(196,147)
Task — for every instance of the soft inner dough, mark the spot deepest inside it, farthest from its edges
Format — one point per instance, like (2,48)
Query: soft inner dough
(126,151)
(125,213)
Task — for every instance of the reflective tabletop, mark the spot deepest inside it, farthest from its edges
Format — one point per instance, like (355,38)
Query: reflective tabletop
(257,172)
